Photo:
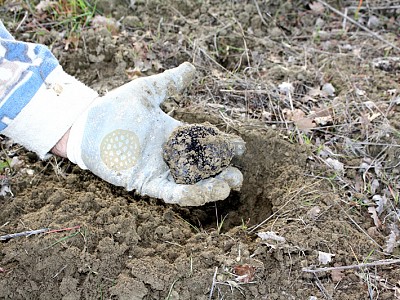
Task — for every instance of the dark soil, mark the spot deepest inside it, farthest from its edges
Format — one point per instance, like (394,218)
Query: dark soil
(131,247)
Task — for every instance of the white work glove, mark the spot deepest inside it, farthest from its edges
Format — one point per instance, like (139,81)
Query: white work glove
(120,139)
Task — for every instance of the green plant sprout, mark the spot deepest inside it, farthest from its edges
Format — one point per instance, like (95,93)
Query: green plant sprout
(69,15)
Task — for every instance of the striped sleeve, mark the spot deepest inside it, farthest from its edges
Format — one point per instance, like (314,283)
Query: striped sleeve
(38,101)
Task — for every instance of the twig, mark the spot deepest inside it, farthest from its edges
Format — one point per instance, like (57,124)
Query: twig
(5,224)
(213,283)
(37,231)
(359,25)
(22,21)
(24,233)
(374,7)
(58,273)
(170,289)
(358,266)
(260,14)
(321,287)
(246,50)
(245,91)
(218,64)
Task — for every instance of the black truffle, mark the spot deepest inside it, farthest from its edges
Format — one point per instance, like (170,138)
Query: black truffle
(198,151)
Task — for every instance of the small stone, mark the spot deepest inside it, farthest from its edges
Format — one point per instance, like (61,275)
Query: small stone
(199,151)
(131,21)
(329,89)
(373,22)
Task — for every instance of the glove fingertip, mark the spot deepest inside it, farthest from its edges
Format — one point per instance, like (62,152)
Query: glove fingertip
(185,76)
(209,190)
(233,177)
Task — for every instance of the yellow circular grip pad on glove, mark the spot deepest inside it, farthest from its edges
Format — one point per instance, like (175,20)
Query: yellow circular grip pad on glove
(119,150)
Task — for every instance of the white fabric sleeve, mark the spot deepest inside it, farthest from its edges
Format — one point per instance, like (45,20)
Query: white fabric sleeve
(39,102)
(50,113)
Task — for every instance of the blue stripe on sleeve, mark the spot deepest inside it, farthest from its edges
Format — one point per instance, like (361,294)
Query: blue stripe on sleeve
(17,52)
(30,65)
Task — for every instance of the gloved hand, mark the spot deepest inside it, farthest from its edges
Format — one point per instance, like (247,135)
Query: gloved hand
(120,138)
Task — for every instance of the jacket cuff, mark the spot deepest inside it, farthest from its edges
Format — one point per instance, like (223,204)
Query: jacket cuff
(50,113)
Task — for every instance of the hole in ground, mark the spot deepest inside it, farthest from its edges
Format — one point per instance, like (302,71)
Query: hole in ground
(268,166)
(236,210)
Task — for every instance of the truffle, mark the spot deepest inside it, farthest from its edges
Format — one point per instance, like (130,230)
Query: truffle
(199,151)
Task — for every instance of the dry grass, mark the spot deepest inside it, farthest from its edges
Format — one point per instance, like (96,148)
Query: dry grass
(361,134)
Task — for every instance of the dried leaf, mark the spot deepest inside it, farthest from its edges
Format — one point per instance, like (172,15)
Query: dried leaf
(315,92)
(322,116)
(335,164)
(326,152)
(374,215)
(30,172)
(378,169)
(337,275)
(360,92)
(296,115)
(111,24)
(245,273)
(359,183)
(324,257)
(373,232)
(380,203)
(374,186)
(305,124)
(270,235)
(392,240)
(133,73)
(373,116)
(314,212)
(323,120)
(328,89)
(373,22)
(364,166)
(73,39)
(286,88)
(266,116)
(317,8)
(45,5)
(275,59)
(307,98)
(357,52)
(5,187)
(397,291)
(300,120)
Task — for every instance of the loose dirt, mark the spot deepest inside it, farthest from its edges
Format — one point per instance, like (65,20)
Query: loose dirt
(294,207)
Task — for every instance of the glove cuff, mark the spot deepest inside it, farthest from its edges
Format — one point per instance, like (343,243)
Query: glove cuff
(74,144)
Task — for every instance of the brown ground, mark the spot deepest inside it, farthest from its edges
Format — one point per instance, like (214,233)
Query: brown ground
(130,247)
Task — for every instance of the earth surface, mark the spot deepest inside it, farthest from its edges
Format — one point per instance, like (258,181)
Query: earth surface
(314,96)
